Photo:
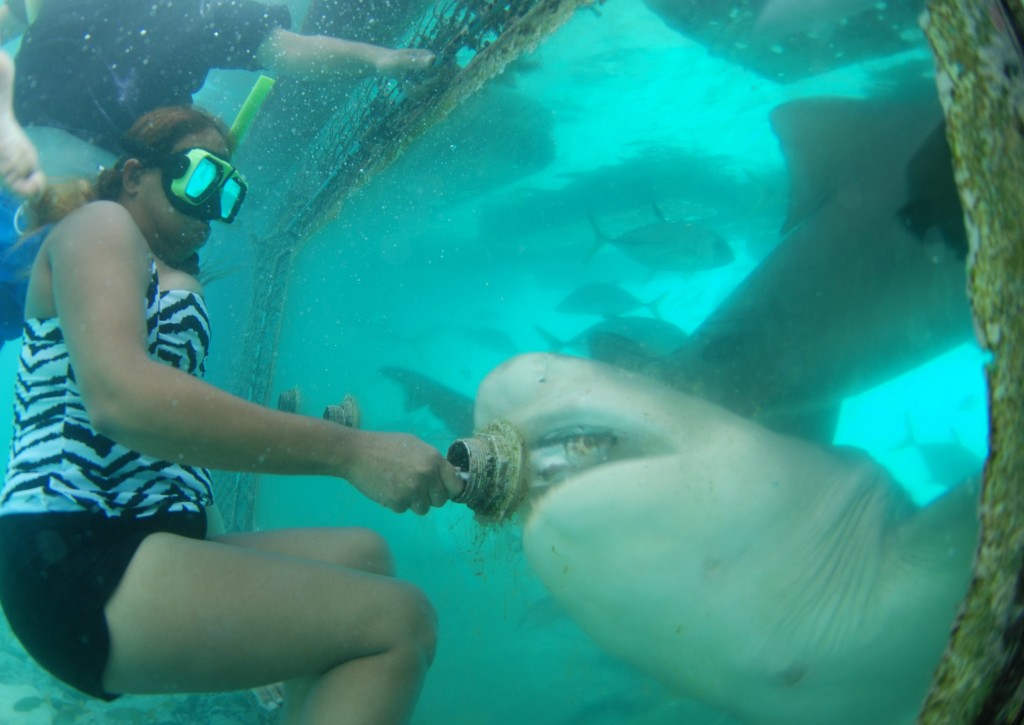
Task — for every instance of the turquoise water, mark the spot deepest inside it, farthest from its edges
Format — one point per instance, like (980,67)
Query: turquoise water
(447,265)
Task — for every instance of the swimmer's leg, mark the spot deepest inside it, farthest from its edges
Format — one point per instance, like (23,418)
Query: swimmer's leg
(194,616)
(353,548)
(19,160)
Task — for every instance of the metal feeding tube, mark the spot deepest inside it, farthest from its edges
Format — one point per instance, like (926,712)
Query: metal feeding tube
(491,464)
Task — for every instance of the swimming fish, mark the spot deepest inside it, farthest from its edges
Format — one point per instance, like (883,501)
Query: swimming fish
(628,342)
(604,299)
(676,246)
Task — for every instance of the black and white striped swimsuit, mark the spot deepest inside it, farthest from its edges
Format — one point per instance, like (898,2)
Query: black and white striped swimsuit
(59,463)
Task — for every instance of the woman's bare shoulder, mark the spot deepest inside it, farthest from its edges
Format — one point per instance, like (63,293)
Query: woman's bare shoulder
(97,224)
(98,212)
(100,235)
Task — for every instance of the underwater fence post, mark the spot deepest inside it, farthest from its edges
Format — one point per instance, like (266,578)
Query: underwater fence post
(254,371)
(980,77)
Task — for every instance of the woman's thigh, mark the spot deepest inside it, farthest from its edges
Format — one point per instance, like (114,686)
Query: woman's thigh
(350,547)
(192,615)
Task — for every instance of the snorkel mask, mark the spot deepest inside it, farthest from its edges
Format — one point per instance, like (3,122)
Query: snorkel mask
(203,185)
(197,182)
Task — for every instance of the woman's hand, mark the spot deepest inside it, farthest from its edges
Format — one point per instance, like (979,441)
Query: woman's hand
(402,472)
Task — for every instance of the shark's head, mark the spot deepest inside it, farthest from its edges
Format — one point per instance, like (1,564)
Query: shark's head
(710,552)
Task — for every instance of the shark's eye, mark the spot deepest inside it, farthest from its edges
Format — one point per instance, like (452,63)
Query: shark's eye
(566,451)
(588,449)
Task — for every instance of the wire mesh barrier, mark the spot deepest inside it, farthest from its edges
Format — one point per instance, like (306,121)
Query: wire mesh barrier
(473,42)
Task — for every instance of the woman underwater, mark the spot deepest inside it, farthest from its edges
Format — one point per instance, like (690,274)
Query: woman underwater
(112,571)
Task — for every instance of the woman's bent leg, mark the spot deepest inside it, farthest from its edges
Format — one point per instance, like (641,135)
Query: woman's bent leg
(204,615)
(350,547)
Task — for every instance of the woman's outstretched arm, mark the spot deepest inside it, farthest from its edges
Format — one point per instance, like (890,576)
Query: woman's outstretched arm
(99,271)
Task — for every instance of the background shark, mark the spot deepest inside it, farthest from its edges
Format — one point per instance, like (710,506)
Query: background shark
(850,297)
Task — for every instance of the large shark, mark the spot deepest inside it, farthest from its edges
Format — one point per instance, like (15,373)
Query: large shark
(777,580)
(851,296)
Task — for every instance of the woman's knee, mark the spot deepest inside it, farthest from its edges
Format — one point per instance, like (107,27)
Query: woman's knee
(367,551)
(414,621)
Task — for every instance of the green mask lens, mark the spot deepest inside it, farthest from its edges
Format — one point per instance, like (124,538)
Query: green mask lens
(201,181)
(231,195)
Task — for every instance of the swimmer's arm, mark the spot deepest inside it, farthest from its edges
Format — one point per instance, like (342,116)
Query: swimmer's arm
(100,272)
(321,57)
(19,160)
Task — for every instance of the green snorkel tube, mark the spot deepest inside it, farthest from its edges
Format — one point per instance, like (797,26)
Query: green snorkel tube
(247,113)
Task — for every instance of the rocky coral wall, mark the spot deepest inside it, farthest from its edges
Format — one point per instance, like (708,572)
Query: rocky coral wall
(977,45)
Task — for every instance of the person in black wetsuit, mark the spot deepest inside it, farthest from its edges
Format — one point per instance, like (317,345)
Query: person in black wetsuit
(91,67)
(86,69)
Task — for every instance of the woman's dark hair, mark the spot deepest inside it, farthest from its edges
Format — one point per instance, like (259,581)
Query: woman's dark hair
(155,135)
(158,132)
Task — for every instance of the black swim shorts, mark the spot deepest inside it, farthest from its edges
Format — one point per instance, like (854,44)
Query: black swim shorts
(57,572)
